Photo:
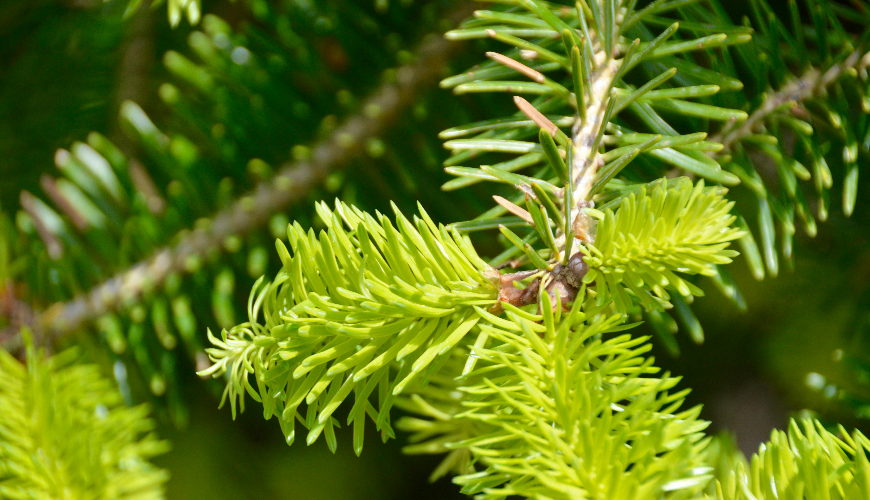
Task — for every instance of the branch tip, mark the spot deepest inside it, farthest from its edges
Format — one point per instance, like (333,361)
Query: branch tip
(517,66)
(536,116)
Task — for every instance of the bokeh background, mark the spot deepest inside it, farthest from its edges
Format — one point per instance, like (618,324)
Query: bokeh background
(263,81)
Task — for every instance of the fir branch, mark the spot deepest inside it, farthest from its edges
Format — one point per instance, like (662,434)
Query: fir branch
(252,211)
(812,83)
(560,408)
(806,461)
(677,228)
(597,59)
(68,434)
(365,304)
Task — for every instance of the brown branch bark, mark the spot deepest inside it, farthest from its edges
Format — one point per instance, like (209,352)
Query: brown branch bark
(809,84)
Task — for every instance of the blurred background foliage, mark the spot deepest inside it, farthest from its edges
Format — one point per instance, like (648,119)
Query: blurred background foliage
(188,119)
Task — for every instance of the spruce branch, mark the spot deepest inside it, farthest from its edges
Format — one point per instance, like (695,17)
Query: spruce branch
(805,461)
(599,54)
(68,434)
(365,304)
(530,388)
(252,211)
(811,84)
(603,64)
(562,406)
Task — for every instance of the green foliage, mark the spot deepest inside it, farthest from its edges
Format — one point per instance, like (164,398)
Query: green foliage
(234,105)
(176,9)
(616,99)
(363,300)
(675,228)
(626,108)
(364,305)
(807,84)
(625,103)
(67,434)
(808,461)
(596,83)
(568,385)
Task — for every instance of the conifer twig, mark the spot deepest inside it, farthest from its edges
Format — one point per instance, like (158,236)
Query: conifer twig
(252,211)
(812,82)
(584,159)
(564,280)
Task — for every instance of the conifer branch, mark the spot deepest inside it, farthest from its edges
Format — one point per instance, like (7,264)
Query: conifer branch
(68,434)
(519,379)
(560,209)
(811,83)
(252,211)
(365,303)
(586,157)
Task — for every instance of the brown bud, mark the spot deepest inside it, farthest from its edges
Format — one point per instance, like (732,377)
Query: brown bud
(578,269)
(564,291)
(509,293)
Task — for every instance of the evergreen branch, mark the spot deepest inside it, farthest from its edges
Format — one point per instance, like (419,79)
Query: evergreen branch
(594,56)
(806,461)
(673,228)
(556,411)
(532,390)
(365,304)
(597,61)
(291,184)
(811,83)
(68,434)
(815,109)
(585,154)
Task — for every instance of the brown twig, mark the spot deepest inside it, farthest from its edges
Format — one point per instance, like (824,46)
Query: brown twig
(811,83)
(561,282)
(585,161)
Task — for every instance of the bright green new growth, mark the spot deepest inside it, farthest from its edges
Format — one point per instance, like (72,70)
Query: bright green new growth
(676,227)
(67,434)
(363,306)
(806,462)
(570,386)
(366,305)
